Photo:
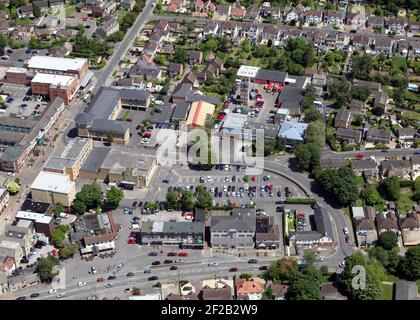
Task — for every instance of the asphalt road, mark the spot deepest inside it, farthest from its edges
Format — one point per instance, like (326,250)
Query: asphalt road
(103,75)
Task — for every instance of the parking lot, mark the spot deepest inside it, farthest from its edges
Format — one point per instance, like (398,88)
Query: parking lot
(20,103)
(269,99)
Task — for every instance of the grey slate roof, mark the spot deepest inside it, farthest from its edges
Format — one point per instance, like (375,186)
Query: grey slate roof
(271,75)
(180,112)
(240,219)
(405,290)
(95,159)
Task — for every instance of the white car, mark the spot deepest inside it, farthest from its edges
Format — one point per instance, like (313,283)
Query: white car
(93,269)
(342,264)
(179,260)
(208,178)
(134,226)
(224,188)
(346,231)
(60,295)
(212,264)
(52,291)
(82,284)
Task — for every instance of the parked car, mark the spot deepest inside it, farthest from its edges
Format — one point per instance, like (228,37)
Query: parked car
(155,263)
(112,277)
(35,295)
(348,240)
(263,268)
(130,274)
(252,261)
(212,264)
(153,254)
(172,254)
(183,254)
(153,278)
(233,269)
(100,280)
(147,270)
(346,231)
(173,268)
(168,261)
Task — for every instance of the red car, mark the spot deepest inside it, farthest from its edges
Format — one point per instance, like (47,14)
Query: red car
(348,239)
(259,103)
(226,104)
(220,116)
(360,155)
(131,242)
(254,178)
(301,214)
(147,134)
(233,269)
(183,254)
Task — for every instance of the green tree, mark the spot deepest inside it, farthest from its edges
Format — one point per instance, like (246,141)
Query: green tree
(340,183)
(68,250)
(391,188)
(58,208)
(282,270)
(187,200)
(90,195)
(315,133)
(117,36)
(45,267)
(360,92)
(388,258)
(371,196)
(13,187)
(109,139)
(410,266)
(312,115)
(172,200)
(268,294)
(204,198)
(304,289)
(37,12)
(339,90)
(388,240)
(160,59)
(58,236)
(114,196)
(308,156)
(79,207)
(308,99)
(309,257)
(362,66)
(180,56)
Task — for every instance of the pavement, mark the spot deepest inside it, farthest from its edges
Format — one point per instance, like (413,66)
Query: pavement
(368,153)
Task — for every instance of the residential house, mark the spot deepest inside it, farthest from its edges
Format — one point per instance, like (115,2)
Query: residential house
(205,7)
(398,25)
(175,70)
(361,41)
(222,12)
(145,70)
(250,31)
(7,266)
(26,11)
(195,58)
(161,26)
(356,20)
(127,4)
(343,118)
(252,13)
(396,168)
(108,27)
(191,79)
(383,44)
(238,12)
(332,291)
(415,166)
(364,224)
(406,134)
(292,14)
(349,135)
(224,292)
(376,136)
(375,22)
(251,289)
(357,107)
(313,17)
(386,222)
(228,29)
(234,231)
(410,229)
(267,234)
(158,37)
(211,29)
(334,18)
(62,51)
(270,33)
(366,167)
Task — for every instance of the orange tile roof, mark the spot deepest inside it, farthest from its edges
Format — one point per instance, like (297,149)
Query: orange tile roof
(248,286)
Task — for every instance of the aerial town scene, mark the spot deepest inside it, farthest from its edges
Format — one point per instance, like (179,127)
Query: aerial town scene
(209,150)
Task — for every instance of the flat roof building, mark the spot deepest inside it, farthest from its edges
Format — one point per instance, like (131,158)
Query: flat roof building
(55,85)
(53,188)
(58,65)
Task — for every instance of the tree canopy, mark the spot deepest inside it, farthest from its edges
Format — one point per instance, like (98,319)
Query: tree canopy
(308,156)
(341,183)
(114,196)
(388,240)
(45,267)
(391,188)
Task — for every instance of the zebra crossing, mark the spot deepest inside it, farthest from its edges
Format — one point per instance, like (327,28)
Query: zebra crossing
(166,164)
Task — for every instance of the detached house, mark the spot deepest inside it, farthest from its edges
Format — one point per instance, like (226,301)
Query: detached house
(292,15)
(195,58)
(397,25)
(228,29)
(108,27)
(238,12)
(249,289)
(175,70)
(406,134)
(357,107)
(270,33)
(349,135)
(361,41)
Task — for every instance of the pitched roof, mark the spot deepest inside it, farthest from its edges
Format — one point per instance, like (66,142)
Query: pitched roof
(293,130)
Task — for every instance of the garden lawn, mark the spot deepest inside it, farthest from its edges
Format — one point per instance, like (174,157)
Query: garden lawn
(405,203)
(70,9)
